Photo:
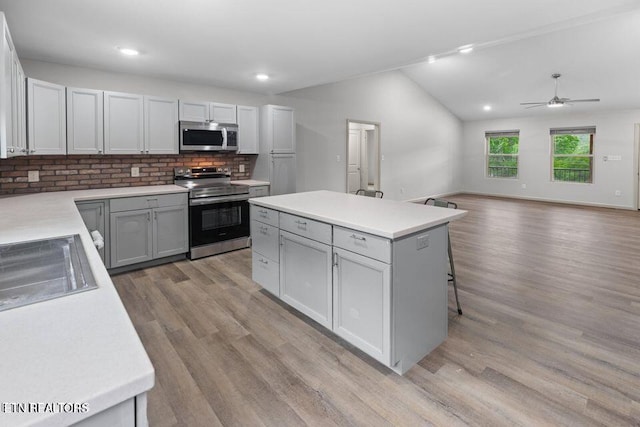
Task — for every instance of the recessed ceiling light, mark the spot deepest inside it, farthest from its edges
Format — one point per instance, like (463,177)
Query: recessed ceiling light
(128,51)
(262,77)
(465,49)
(431,59)
(487,108)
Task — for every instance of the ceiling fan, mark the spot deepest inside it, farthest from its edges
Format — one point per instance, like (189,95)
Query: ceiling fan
(555,101)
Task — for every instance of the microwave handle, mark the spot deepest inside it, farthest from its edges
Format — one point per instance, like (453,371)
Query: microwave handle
(224,138)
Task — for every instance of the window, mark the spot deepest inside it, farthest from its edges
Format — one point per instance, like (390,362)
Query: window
(572,154)
(502,153)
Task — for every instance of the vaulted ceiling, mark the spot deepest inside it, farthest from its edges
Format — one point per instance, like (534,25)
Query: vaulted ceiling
(302,43)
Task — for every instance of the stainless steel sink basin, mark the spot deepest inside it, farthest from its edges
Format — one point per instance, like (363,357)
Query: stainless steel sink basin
(40,270)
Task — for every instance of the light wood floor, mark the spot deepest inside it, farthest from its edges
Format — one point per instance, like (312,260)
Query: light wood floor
(550,334)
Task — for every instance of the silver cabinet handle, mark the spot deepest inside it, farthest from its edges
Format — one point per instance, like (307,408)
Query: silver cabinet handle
(32,151)
(148,216)
(263,230)
(155,215)
(301,223)
(99,210)
(263,261)
(24,150)
(263,213)
(99,151)
(141,151)
(11,150)
(335,259)
(361,238)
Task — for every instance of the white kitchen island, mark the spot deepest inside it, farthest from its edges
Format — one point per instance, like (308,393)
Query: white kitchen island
(373,271)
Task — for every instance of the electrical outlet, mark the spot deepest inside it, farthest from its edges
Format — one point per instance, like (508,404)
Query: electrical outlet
(34,176)
(618,193)
(241,168)
(382,158)
(135,171)
(524,186)
(338,158)
(401,190)
(422,241)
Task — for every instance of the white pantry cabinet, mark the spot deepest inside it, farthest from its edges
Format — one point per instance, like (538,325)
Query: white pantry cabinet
(278,129)
(123,123)
(160,125)
(85,121)
(222,113)
(305,276)
(248,130)
(46,118)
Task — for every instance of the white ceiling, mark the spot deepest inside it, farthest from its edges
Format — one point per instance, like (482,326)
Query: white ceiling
(303,43)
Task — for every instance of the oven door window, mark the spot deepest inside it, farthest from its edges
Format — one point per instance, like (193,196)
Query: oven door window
(219,222)
(202,138)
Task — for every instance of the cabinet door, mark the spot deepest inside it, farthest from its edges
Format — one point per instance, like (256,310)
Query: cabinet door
(160,125)
(131,235)
(7,145)
(21,109)
(170,231)
(283,174)
(223,113)
(247,130)
(194,111)
(305,276)
(284,128)
(123,123)
(93,215)
(47,119)
(85,122)
(362,303)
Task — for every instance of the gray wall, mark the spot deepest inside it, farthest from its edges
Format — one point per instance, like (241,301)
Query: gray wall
(614,136)
(419,137)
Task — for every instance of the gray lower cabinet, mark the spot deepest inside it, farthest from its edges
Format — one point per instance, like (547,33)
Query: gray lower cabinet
(305,276)
(94,214)
(362,303)
(147,228)
(131,237)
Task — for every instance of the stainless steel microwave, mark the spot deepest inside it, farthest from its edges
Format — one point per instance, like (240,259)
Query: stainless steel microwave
(209,136)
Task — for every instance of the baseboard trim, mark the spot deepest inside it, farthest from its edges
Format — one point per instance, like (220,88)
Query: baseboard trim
(543,199)
(421,200)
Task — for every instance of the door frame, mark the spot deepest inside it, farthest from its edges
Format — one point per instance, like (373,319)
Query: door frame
(636,164)
(346,151)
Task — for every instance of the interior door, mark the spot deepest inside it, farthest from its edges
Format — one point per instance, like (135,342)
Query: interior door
(353,161)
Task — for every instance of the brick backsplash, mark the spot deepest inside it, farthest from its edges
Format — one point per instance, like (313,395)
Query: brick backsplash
(81,172)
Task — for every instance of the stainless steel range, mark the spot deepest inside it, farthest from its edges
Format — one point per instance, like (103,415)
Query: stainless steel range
(218,211)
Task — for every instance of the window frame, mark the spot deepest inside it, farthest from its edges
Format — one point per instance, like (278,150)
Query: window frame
(586,130)
(487,152)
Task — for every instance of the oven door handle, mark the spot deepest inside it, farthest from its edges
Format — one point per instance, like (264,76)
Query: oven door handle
(216,200)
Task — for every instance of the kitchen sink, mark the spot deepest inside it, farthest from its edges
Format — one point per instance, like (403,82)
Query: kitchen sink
(40,270)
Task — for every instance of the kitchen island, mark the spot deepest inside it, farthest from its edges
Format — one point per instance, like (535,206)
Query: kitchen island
(79,353)
(373,271)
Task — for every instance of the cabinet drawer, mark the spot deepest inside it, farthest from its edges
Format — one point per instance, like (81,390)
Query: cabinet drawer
(315,230)
(264,238)
(362,243)
(266,273)
(268,216)
(259,191)
(146,202)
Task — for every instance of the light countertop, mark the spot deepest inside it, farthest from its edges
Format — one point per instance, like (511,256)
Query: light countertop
(251,182)
(386,218)
(78,348)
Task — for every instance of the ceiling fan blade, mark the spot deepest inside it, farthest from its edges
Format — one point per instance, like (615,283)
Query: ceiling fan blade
(584,100)
(535,106)
(534,103)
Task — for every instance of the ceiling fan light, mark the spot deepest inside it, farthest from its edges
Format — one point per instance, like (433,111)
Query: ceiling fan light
(555,104)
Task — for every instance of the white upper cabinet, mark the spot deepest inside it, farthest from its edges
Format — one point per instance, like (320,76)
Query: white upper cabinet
(278,129)
(193,111)
(248,131)
(123,123)
(46,118)
(160,125)
(223,113)
(19,106)
(85,123)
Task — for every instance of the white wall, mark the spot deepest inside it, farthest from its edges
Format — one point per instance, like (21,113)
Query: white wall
(614,136)
(419,138)
(90,78)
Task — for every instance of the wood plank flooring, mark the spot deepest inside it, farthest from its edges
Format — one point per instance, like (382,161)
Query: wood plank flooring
(550,334)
